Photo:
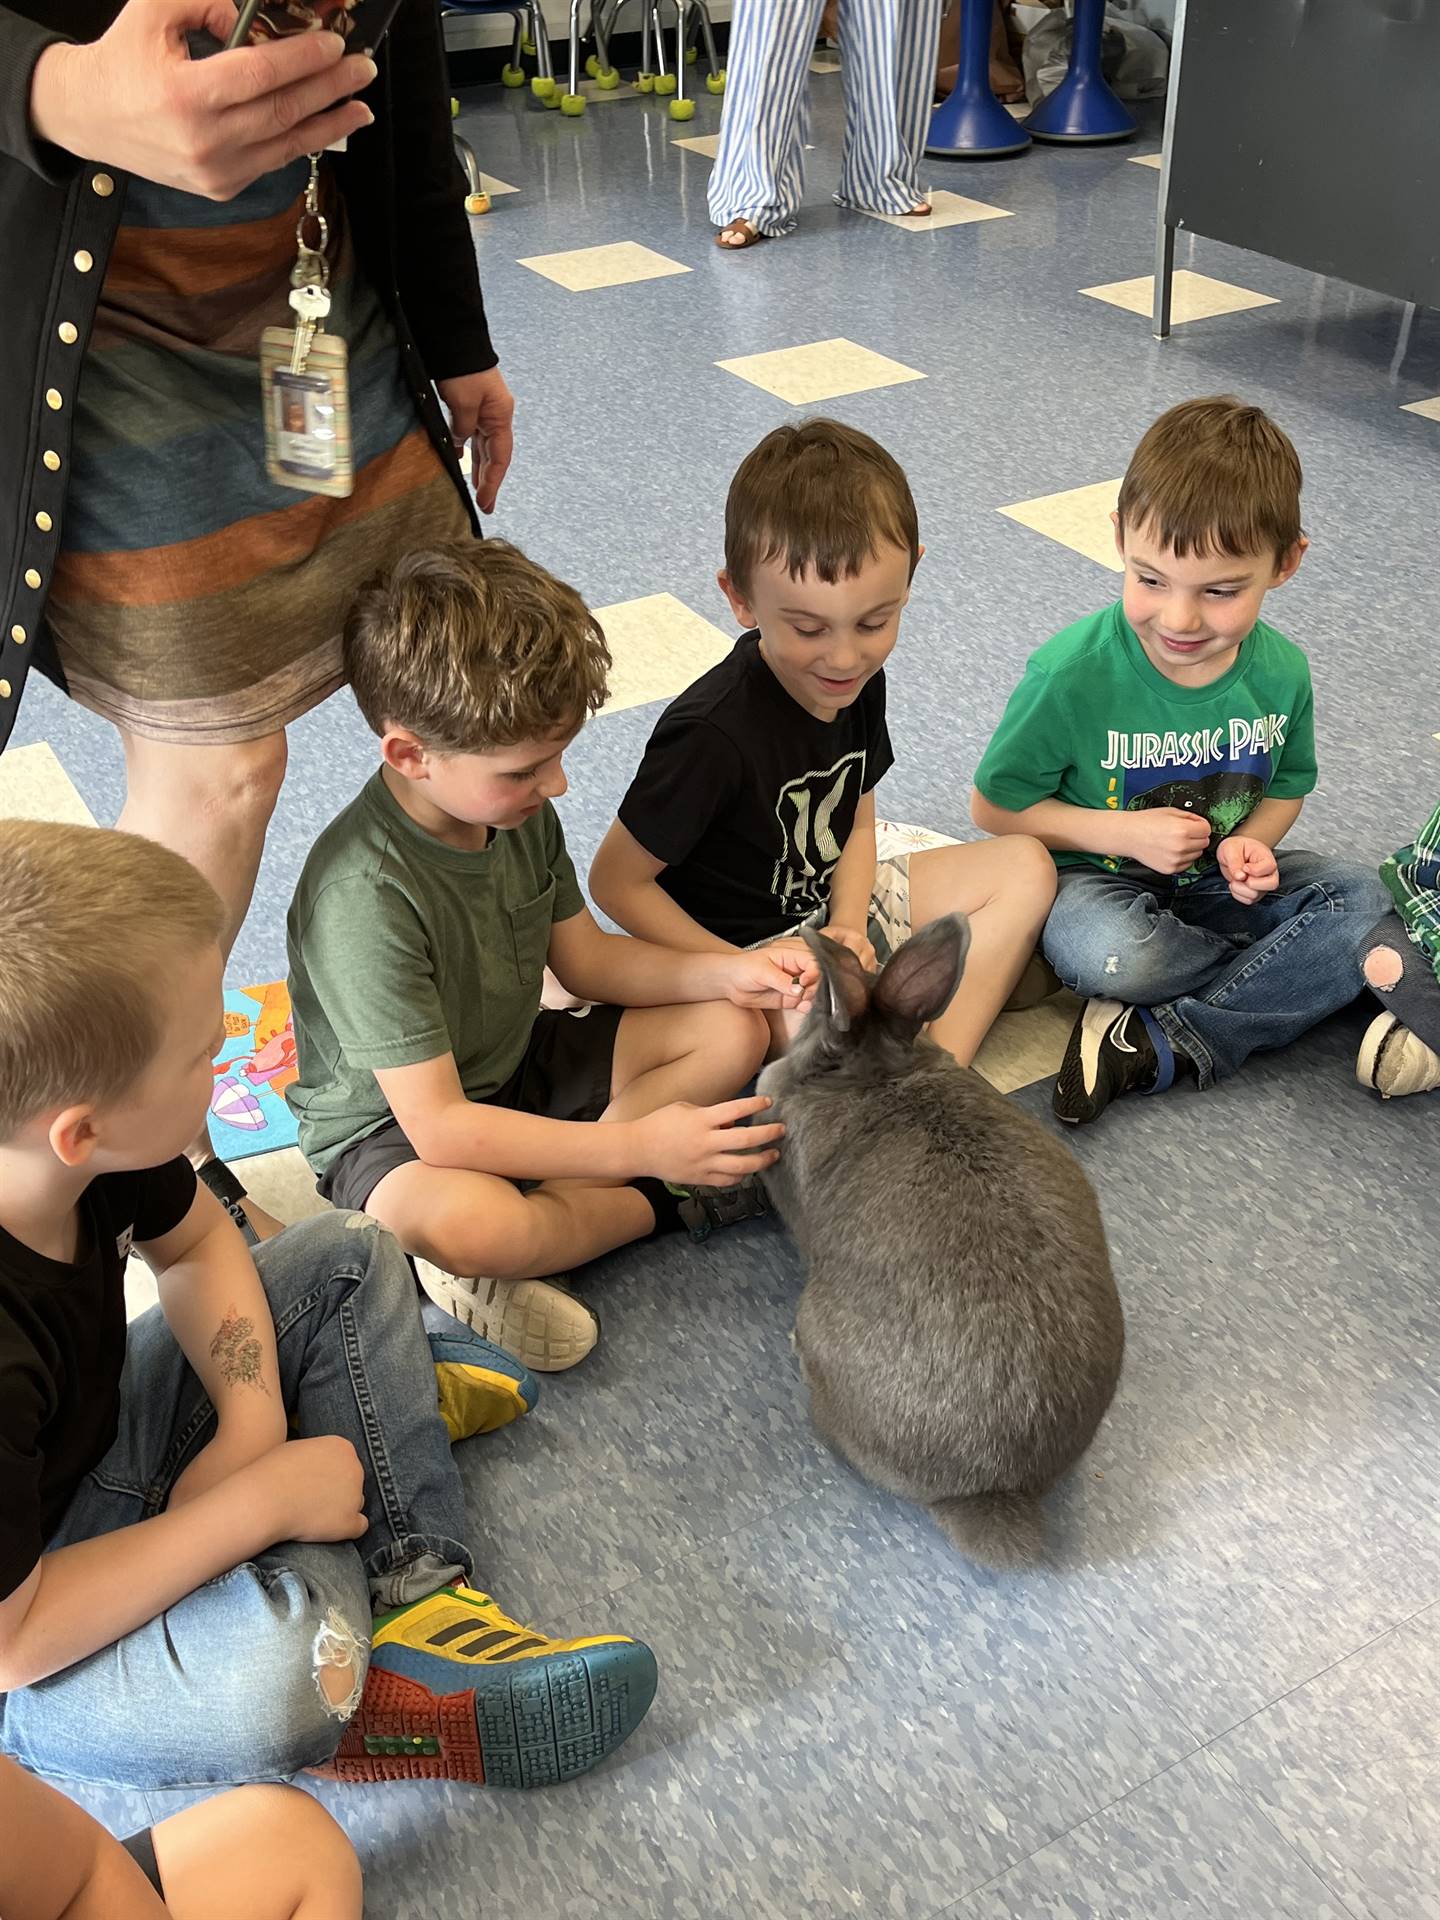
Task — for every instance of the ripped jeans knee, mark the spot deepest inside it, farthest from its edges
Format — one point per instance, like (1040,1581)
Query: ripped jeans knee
(340,1660)
(1384,968)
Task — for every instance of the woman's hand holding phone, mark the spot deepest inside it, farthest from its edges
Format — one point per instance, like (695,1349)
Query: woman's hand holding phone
(136,101)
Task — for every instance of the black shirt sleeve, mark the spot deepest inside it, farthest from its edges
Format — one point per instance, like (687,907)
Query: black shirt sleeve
(22,42)
(163,1197)
(878,755)
(22,1527)
(690,774)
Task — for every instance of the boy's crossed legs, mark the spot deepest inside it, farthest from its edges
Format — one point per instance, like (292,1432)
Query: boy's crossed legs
(265,1670)
(1188,979)
(488,1237)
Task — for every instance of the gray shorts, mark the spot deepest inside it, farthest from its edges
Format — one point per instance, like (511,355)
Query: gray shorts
(565,1075)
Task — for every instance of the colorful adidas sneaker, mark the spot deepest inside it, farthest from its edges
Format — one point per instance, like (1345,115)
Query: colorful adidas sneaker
(1109,1052)
(479,1386)
(543,1325)
(1395,1061)
(456,1690)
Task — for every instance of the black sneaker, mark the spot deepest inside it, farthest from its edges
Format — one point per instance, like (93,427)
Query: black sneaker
(705,1208)
(1109,1052)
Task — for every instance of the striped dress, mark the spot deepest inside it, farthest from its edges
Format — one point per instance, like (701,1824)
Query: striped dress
(888,75)
(195,602)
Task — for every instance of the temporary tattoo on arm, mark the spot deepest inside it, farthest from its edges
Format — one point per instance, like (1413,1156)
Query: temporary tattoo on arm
(237,1352)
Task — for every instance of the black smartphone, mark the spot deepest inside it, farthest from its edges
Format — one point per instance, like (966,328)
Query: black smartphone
(361,24)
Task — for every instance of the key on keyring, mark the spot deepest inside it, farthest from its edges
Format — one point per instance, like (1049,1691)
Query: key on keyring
(311,304)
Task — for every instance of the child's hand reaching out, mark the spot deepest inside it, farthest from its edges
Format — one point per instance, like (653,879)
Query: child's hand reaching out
(783,977)
(1250,867)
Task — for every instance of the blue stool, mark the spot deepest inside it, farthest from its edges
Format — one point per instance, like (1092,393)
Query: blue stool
(1083,109)
(530,37)
(972,124)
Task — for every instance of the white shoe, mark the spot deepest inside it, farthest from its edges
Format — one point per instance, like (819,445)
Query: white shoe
(544,1326)
(1394,1061)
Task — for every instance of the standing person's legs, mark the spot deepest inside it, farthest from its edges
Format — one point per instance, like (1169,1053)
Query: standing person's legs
(889,78)
(212,804)
(756,181)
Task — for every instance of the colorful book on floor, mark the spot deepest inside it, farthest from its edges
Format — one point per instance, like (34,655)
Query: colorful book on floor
(248,1114)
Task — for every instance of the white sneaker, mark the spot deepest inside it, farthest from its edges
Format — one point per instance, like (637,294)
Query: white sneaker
(544,1326)
(1394,1061)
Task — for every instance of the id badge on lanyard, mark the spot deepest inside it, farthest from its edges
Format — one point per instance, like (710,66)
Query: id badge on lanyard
(304,381)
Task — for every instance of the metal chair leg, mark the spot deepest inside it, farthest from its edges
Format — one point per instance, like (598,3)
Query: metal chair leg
(600,27)
(708,33)
(575,6)
(477,200)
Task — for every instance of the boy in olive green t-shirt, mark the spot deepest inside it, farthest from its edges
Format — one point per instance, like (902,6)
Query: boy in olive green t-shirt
(434,1093)
(1161,750)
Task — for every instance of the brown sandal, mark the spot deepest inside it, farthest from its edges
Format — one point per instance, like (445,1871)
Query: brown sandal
(745,236)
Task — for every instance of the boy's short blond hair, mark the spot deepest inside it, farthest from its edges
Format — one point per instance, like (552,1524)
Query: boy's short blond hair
(473,647)
(91,924)
(1214,476)
(820,497)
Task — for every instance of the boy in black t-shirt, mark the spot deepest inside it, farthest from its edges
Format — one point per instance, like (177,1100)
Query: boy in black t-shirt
(753,811)
(186,1593)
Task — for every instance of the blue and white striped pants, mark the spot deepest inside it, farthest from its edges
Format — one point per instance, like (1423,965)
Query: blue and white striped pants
(888,74)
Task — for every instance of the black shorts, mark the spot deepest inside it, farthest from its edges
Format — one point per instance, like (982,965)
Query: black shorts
(141,1849)
(565,1075)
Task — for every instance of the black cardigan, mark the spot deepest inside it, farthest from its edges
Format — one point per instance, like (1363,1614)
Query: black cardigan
(404,195)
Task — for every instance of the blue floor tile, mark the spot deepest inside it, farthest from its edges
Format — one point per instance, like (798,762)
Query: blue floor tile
(1187,1846)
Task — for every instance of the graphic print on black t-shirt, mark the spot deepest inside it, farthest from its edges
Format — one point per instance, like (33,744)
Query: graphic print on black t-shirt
(810,851)
(747,799)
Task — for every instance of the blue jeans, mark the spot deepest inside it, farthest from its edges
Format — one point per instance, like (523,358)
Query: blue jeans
(1220,981)
(223,1686)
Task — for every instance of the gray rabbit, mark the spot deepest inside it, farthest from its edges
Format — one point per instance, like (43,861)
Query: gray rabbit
(960,1332)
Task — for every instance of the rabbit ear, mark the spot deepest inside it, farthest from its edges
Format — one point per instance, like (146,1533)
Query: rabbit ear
(919,983)
(847,985)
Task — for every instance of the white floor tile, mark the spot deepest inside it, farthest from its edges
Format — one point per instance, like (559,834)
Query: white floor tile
(1079,518)
(950,210)
(1427,409)
(619,264)
(1022,1048)
(819,371)
(658,646)
(1155,160)
(34,786)
(1194,296)
(706,143)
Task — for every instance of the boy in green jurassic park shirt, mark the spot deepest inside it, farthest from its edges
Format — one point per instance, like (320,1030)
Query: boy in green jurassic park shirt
(1162,749)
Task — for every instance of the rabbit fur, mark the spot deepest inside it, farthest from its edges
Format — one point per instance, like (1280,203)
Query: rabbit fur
(960,1332)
